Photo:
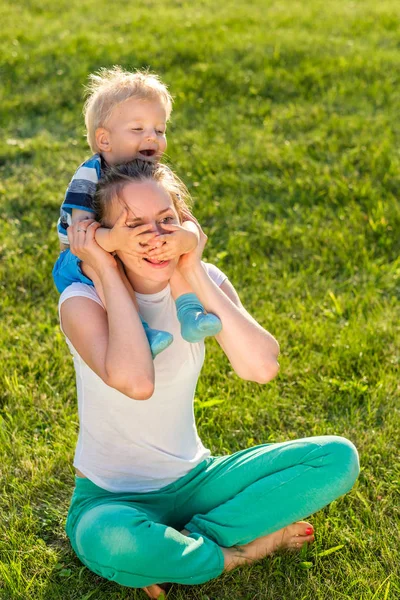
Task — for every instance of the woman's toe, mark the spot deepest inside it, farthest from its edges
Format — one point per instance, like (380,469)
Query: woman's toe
(302,528)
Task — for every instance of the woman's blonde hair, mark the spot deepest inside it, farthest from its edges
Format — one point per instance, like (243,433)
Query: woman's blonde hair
(109,87)
(116,178)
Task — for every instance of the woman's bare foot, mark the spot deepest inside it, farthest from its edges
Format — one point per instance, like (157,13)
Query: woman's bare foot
(292,537)
(154,591)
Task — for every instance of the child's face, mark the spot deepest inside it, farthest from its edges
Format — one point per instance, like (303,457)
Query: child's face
(135,129)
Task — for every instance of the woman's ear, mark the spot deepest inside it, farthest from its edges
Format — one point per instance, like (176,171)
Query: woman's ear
(102,136)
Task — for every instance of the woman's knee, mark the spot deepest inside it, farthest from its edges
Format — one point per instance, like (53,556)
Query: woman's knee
(109,541)
(344,460)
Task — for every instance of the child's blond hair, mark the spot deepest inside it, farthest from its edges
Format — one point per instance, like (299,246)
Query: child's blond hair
(109,87)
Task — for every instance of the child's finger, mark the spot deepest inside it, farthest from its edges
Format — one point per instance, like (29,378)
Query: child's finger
(158,252)
(171,227)
(121,221)
(139,229)
(162,239)
(142,250)
(145,238)
(156,246)
(155,252)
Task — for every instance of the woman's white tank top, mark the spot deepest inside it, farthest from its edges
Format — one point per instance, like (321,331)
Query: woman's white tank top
(127,445)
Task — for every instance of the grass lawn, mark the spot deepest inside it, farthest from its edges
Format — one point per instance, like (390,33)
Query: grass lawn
(286,129)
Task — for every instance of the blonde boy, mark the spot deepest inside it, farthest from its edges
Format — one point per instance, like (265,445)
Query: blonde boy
(126,116)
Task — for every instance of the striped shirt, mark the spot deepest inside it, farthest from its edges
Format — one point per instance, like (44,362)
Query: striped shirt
(80,193)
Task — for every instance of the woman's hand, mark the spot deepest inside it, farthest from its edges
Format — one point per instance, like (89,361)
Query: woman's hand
(84,246)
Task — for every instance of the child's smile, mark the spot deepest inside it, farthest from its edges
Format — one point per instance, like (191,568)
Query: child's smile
(147,153)
(135,129)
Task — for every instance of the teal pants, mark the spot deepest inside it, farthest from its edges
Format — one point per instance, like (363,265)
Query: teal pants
(135,540)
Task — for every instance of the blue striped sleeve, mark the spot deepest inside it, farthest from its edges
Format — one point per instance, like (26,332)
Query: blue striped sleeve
(82,187)
(80,194)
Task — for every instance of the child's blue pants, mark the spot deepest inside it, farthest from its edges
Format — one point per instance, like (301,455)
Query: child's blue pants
(67,270)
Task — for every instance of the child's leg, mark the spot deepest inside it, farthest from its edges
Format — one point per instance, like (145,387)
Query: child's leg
(67,270)
(196,324)
(158,340)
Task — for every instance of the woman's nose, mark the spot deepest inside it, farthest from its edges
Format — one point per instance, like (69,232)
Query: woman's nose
(155,228)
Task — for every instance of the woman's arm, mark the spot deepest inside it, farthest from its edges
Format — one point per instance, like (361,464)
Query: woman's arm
(251,350)
(113,343)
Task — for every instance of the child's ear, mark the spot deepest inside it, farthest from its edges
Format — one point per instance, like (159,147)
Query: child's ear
(103,139)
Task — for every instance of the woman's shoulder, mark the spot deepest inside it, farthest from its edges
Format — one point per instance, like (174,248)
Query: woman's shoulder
(215,273)
(82,290)
(75,290)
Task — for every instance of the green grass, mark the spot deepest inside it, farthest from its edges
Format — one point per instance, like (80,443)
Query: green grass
(286,129)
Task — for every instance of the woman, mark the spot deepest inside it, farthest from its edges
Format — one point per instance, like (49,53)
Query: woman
(150,503)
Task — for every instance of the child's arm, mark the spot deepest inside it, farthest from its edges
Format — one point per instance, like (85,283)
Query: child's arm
(106,238)
(79,214)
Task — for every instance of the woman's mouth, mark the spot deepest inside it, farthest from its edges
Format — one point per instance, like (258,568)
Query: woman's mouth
(157,264)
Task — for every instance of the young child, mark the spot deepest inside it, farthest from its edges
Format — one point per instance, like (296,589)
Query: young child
(126,116)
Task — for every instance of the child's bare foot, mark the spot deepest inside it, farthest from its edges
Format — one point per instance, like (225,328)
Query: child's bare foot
(292,537)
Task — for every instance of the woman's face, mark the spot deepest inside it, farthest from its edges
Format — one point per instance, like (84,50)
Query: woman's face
(147,203)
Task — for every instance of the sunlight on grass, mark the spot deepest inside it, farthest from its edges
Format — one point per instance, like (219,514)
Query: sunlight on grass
(286,130)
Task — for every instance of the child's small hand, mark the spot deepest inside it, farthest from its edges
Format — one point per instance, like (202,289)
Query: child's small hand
(131,240)
(172,245)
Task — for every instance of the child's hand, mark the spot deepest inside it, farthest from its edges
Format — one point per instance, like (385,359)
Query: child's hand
(180,240)
(130,240)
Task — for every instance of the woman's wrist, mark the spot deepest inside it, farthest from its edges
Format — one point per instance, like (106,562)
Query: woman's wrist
(107,270)
(192,272)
